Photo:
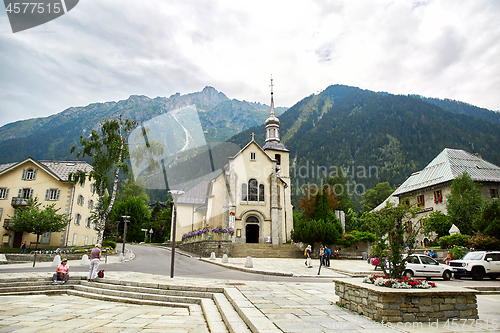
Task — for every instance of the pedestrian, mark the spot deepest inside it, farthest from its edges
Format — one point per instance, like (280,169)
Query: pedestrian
(62,272)
(23,248)
(321,255)
(308,256)
(328,253)
(336,254)
(95,257)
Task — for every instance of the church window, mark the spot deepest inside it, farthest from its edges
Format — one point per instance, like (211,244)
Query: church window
(252,156)
(244,192)
(261,192)
(277,157)
(252,190)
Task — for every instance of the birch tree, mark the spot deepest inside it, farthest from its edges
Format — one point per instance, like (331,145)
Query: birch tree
(108,150)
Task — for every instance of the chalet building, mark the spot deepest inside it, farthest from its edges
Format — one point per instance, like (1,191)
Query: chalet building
(48,182)
(430,187)
(251,195)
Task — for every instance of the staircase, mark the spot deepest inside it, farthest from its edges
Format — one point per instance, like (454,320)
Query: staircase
(266,251)
(223,309)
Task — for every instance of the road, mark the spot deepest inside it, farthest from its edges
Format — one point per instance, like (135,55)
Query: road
(156,260)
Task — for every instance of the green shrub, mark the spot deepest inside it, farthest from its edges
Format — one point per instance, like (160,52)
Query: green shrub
(357,236)
(109,243)
(456,239)
(457,252)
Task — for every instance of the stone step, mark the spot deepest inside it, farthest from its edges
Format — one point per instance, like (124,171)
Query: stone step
(230,316)
(215,324)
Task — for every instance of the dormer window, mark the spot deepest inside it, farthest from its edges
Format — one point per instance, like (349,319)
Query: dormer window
(252,157)
(29,174)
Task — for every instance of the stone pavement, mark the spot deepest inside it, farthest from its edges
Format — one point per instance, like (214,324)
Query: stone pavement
(291,306)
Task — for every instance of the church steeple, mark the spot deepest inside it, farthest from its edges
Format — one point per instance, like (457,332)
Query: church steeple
(273,127)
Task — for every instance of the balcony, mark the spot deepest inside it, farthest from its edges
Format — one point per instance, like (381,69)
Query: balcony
(7,224)
(19,202)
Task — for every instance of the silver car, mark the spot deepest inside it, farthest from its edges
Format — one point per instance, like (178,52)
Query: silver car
(424,266)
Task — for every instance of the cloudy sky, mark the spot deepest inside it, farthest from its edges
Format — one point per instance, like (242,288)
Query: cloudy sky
(107,50)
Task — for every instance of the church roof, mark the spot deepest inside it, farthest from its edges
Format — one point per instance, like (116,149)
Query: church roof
(196,196)
(448,165)
(274,146)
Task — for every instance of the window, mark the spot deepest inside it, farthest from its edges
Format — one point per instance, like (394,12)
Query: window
(4,193)
(86,241)
(80,200)
(52,194)
(438,196)
(92,188)
(91,204)
(29,174)
(78,219)
(93,241)
(277,157)
(1,211)
(252,190)
(75,237)
(25,193)
(252,156)
(494,192)
(261,192)
(87,223)
(420,200)
(244,193)
(45,238)
(95,226)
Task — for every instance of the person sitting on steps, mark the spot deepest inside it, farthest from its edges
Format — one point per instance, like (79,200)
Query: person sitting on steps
(62,272)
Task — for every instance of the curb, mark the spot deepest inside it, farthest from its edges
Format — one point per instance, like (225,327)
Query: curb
(247,270)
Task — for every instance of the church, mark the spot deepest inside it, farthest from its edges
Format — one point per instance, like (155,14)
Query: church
(251,195)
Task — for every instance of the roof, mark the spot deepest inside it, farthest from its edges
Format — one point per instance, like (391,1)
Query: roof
(196,195)
(274,146)
(448,165)
(58,169)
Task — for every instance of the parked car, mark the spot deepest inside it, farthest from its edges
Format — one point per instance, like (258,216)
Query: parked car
(420,265)
(477,264)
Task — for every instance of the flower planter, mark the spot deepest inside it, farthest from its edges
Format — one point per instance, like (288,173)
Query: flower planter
(406,305)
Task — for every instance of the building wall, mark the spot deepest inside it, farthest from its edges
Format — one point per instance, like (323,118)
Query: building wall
(42,182)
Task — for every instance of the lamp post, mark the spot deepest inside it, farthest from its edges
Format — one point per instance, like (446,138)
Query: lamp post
(126,219)
(175,193)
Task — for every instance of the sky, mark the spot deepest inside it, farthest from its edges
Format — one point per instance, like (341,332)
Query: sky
(107,50)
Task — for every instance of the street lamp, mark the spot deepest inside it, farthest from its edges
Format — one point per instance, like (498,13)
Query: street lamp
(176,194)
(126,219)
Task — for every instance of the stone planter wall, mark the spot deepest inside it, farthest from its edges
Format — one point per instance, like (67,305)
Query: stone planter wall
(205,247)
(406,305)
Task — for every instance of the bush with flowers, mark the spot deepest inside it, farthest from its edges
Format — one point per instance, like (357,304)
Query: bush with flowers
(398,283)
(481,241)
(201,231)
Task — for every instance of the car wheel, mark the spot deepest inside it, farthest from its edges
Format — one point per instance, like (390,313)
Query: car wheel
(446,275)
(408,274)
(493,277)
(477,274)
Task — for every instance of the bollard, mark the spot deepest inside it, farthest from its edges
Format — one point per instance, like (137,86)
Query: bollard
(3,258)
(85,260)
(248,263)
(57,261)
(121,257)
(127,255)
(212,256)
(224,259)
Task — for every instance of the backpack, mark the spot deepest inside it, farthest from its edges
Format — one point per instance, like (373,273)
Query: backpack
(100,274)
(305,252)
(328,252)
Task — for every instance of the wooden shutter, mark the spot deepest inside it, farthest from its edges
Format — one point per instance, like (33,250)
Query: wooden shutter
(47,194)
(31,193)
(57,194)
(34,174)
(24,174)
(20,193)
(7,193)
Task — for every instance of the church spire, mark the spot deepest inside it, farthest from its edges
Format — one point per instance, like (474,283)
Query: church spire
(273,127)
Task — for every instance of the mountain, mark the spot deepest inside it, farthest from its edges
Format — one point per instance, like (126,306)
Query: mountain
(51,138)
(374,137)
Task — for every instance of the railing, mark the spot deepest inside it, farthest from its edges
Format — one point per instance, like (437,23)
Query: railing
(19,202)
(7,224)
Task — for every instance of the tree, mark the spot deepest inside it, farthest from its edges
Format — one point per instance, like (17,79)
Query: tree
(375,196)
(346,204)
(108,150)
(130,188)
(464,203)
(160,222)
(34,220)
(315,231)
(394,230)
(139,213)
(488,221)
(312,200)
(437,222)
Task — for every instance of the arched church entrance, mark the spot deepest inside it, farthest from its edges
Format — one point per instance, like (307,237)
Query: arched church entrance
(252,230)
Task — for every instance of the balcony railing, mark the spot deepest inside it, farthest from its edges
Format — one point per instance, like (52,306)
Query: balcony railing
(19,202)
(7,224)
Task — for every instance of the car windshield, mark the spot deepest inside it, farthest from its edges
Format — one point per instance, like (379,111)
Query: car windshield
(473,256)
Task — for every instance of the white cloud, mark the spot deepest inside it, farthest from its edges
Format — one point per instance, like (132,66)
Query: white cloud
(110,49)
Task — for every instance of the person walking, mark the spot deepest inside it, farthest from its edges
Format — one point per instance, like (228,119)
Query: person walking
(328,253)
(308,256)
(95,257)
(62,272)
(321,255)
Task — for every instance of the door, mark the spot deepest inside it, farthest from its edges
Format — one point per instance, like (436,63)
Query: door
(18,239)
(430,266)
(252,233)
